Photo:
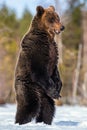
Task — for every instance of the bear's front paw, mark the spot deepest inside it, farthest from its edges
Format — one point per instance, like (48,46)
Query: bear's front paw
(53,93)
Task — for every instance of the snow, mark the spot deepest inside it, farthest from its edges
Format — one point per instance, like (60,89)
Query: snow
(66,118)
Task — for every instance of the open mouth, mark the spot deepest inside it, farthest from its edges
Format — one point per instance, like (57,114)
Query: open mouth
(56,31)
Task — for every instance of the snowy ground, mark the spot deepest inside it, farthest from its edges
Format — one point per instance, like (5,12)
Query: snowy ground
(66,118)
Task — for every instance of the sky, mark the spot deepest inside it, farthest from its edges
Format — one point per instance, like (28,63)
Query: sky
(19,5)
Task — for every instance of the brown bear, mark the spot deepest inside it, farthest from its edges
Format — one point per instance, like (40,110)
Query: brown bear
(37,79)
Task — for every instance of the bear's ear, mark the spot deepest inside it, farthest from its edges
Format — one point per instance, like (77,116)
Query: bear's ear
(52,8)
(40,11)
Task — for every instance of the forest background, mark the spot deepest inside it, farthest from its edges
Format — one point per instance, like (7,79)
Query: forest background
(71,65)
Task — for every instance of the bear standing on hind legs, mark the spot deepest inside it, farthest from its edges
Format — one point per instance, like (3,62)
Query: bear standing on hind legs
(37,79)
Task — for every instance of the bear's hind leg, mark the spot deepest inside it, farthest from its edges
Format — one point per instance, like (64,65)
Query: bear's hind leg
(22,116)
(28,105)
(46,111)
(26,113)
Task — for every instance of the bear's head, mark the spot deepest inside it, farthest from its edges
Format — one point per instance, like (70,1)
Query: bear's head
(48,20)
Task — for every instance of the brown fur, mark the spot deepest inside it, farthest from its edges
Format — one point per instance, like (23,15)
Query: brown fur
(50,21)
(37,79)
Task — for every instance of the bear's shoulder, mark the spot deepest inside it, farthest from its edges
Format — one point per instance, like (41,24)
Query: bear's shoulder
(35,38)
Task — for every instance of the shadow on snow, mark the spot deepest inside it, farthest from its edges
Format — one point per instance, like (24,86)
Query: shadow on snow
(67,123)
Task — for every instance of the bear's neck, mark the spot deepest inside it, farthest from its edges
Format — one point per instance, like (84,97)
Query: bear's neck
(38,29)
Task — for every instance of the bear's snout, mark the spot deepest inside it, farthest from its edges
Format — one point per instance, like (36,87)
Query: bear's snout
(62,28)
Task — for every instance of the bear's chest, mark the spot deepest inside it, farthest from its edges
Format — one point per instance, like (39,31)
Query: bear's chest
(53,56)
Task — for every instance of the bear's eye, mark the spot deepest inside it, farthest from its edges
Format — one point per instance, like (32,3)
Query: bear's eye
(51,20)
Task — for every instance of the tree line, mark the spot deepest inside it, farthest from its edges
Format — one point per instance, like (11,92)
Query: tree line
(12,30)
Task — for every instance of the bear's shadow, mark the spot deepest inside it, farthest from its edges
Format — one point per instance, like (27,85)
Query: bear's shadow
(67,123)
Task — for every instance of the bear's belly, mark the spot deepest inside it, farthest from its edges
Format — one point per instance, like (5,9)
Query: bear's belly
(52,58)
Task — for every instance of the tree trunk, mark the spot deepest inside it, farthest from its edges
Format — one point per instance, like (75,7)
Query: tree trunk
(84,26)
(58,38)
(76,76)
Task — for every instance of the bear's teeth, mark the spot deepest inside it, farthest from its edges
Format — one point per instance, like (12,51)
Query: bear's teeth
(57,32)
